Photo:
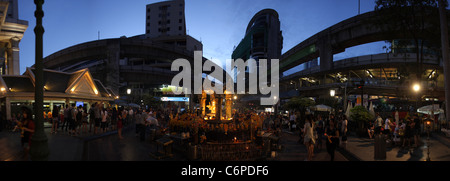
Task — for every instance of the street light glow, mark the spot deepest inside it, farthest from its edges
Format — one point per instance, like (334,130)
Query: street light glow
(416,87)
(332,93)
(128,91)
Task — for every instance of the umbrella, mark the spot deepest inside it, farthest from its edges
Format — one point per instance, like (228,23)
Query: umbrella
(349,107)
(321,107)
(430,108)
(371,110)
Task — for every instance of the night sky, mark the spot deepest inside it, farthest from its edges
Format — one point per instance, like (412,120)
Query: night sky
(219,24)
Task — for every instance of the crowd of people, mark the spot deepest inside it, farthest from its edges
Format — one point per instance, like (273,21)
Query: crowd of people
(316,130)
(403,132)
(78,121)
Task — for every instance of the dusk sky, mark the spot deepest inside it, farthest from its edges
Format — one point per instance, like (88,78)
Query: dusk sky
(219,24)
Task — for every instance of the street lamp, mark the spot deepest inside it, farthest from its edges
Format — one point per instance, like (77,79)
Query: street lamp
(332,92)
(428,127)
(128,91)
(39,150)
(416,87)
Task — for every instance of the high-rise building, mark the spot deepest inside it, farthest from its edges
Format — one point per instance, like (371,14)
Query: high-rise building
(11,32)
(263,39)
(165,23)
(165,19)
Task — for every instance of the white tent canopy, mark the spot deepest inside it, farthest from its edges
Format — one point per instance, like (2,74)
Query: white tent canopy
(430,109)
(349,107)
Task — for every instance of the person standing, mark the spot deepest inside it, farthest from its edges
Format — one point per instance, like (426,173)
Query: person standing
(114,114)
(120,124)
(139,125)
(92,116)
(291,121)
(332,135)
(370,130)
(104,115)
(27,130)
(84,120)
(66,121)
(408,133)
(73,121)
(98,117)
(308,137)
(344,124)
(320,129)
(378,124)
(416,131)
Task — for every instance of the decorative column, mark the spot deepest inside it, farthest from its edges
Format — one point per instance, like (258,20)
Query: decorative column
(39,150)
(219,107)
(203,103)
(228,103)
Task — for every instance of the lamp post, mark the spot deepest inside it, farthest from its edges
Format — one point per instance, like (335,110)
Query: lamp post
(332,92)
(416,88)
(39,150)
(428,126)
(128,97)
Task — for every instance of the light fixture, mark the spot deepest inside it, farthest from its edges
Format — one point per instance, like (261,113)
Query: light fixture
(416,87)
(332,92)
(128,91)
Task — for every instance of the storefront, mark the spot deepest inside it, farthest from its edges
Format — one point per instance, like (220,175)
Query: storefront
(60,89)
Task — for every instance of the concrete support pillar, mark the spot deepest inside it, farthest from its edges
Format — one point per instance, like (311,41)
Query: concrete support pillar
(325,53)
(8,108)
(13,57)
(112,68)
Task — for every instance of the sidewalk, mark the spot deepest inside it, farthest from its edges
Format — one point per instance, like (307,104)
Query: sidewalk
(363,149)
(294,151)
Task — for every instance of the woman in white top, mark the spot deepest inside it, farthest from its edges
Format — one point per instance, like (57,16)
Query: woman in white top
(308,137)
(104,114)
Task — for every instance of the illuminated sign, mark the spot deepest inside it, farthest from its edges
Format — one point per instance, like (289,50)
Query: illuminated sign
(175,99)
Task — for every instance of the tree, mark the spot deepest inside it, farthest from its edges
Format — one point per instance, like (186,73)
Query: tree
(416,20)
(299,104)
(360,117)
(151,101)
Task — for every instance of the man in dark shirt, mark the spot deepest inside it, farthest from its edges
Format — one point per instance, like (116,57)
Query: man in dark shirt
(416,130)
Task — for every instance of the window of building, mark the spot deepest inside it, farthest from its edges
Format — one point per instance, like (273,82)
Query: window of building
(181,13)
(168,21)
(180,21)
(179,28)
